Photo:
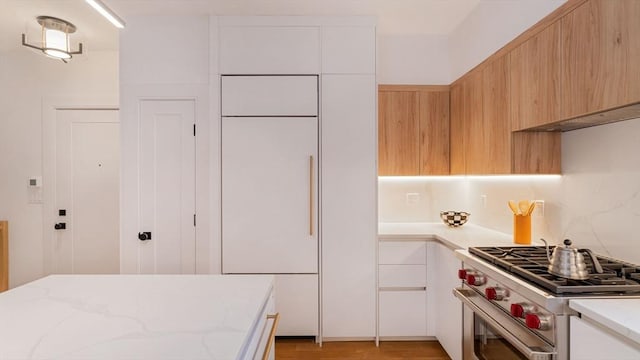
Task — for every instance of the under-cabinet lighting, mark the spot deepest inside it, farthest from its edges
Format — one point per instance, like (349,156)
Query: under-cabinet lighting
(107,13)
(469,177)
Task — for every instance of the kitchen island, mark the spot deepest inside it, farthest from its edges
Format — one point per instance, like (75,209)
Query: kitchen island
(136,317)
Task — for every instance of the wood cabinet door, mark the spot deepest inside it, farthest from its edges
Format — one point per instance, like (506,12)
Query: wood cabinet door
(467,135)
(496,126)
(535,79)
(398,130)
(434,132)
(601,56)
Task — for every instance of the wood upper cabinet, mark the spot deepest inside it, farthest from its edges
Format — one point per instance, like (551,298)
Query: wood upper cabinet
(480,128)
(600,57)
(413,130)
(535,79)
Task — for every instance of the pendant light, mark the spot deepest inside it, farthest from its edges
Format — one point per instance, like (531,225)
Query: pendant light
(55,38)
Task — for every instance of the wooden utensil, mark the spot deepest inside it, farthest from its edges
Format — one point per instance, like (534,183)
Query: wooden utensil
(523,205)
(532,206)
(513,207)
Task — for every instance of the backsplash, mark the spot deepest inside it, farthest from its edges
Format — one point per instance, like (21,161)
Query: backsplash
(596,202)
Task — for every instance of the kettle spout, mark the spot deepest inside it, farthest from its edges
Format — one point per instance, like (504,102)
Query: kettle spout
(546,245)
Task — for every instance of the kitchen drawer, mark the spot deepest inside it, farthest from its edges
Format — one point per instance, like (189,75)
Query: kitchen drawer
(403,313)
(402,276)
(403,252)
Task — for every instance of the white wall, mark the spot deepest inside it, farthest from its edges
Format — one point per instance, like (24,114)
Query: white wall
(413,59)
(26,78)
(596,202)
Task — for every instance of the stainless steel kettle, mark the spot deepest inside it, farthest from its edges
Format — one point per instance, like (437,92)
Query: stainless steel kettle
(568,262)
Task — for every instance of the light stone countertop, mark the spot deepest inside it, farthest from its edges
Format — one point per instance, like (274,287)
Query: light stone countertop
(461,237)
(622,316)
(132,316)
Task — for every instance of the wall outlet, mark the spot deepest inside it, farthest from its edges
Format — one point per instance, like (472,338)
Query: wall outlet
(483,201)
(413,198)
(539,209)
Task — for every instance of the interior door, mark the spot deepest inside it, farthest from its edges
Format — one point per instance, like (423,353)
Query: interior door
(167,187)
(269,195)
(87,196)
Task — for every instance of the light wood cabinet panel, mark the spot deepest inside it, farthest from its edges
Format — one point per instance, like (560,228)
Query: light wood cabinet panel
(535,79)
(398,133)
(413,130)
(467,136)
(434,133)
(536,152)
(601,57)
(496,151)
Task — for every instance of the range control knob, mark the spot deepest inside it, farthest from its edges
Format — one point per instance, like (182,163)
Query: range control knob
(538,321)
(476,279)
(496,293)
(522,309)
(462,274)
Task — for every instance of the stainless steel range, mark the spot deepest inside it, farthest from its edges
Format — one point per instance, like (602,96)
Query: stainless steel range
(515,309)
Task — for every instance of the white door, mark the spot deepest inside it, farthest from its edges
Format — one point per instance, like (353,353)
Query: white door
(269,195)
(167,187)
(87,196)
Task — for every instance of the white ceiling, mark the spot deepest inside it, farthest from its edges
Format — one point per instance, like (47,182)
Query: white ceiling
(394,16)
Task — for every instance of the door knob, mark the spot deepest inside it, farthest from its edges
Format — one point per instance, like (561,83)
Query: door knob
(144,236)
(60,226)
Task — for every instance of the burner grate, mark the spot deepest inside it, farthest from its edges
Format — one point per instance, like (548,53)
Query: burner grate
(530,263)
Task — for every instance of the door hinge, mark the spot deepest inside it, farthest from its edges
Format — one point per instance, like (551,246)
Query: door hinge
(194,219)
(194,129)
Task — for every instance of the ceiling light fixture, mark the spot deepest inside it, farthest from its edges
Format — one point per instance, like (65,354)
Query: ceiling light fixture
(107,13)
(55,38)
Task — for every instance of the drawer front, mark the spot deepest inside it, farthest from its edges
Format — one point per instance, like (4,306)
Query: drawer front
(403,252)
(402,276)
(403,313)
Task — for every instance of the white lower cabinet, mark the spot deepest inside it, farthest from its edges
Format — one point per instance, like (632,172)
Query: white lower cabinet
(589,342)
(445,309)
(402,289)
(297,303)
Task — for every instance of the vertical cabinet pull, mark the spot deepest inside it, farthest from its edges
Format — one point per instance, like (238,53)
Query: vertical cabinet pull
(311,195)
(272,335)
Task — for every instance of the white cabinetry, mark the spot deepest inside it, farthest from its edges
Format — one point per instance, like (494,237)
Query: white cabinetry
(446,310)
(402,289)
(255,49)
(348,50)
(589,342)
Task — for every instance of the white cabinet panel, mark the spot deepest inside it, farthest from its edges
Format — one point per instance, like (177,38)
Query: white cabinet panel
(269,195)
(167,187)
(403,313)
(297,303)
(403,252)
(349,188)
(348,50)
(443,276)
(402,276)
(270,95)
(588,342)
(269,50)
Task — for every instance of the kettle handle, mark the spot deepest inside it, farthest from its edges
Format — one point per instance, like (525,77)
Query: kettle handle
(594,260)
(546,244)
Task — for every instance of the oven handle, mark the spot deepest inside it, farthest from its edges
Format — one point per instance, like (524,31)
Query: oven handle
(522,347)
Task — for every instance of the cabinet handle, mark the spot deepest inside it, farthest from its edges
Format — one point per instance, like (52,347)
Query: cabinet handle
(272,335)
(311,195)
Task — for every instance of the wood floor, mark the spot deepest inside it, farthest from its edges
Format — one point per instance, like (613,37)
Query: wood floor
(307,349)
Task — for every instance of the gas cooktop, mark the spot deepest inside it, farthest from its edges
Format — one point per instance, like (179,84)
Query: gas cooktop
(530,263)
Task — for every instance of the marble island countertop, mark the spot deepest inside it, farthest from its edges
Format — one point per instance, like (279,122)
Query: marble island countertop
(131,316)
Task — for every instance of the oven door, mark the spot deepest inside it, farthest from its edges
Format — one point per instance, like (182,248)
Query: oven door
(491,334)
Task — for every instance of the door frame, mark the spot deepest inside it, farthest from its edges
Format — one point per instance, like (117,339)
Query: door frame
(50,105)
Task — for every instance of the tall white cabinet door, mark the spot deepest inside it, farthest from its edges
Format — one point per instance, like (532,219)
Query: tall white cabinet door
(167,186)
(269,195)
(349,219)
(448,309)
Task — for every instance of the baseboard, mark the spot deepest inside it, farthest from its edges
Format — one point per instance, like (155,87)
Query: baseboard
(408,338)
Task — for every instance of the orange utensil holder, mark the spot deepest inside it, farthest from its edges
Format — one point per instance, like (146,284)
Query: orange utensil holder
(522,229)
